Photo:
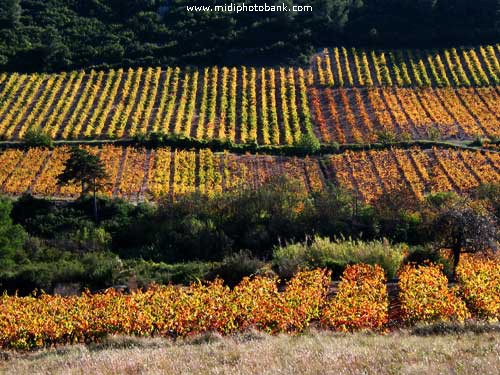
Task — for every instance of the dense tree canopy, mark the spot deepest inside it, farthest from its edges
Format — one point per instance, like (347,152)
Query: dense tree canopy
(10,13)
(53,35)
(12,236)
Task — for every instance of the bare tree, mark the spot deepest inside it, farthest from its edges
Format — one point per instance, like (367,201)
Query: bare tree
(464,228)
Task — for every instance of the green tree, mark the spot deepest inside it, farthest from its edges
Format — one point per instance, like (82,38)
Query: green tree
(86,169)
(55,53)
(37,138)
(497,16)
(308,143)
(329,17)
(12,236)
(10,13)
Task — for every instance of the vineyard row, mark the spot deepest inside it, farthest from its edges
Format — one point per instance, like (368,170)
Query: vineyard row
(139,174)
(449,67)
(361,301)
(267,106)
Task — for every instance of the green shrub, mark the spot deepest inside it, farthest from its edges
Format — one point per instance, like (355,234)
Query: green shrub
(308,143)
(336,255)
(334,146)
(405,137)
(101,270)
(141,138)
(93,270)
(236,266)
(477,142)
(433,133)
(147,272)
(84,239)
(422,255)
(157,138)
(441,199)
(386,136)
(37,138)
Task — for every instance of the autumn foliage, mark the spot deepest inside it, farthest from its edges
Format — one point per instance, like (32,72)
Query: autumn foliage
(262,303)
(361,301)
(480,281)
(425,296)
(33,322)
(137,174)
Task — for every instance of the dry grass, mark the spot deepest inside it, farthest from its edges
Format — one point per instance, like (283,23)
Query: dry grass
(255,353)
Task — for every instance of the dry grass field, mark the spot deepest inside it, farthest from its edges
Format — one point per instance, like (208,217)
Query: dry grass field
(320,352)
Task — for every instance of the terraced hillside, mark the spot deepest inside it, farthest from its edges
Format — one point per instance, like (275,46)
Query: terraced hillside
(140,174)
(449,67)
(346,96)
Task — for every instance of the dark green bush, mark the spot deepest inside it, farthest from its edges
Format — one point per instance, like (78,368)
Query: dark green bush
(148,272)
(477,142)
(236,266)
(423,254)
(37,138)
(93,270)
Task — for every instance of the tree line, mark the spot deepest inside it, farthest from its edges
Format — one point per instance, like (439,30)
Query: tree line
(54,35)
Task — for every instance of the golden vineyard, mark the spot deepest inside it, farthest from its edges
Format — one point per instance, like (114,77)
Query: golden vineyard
(139,174)
(345,96)
(447,67)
